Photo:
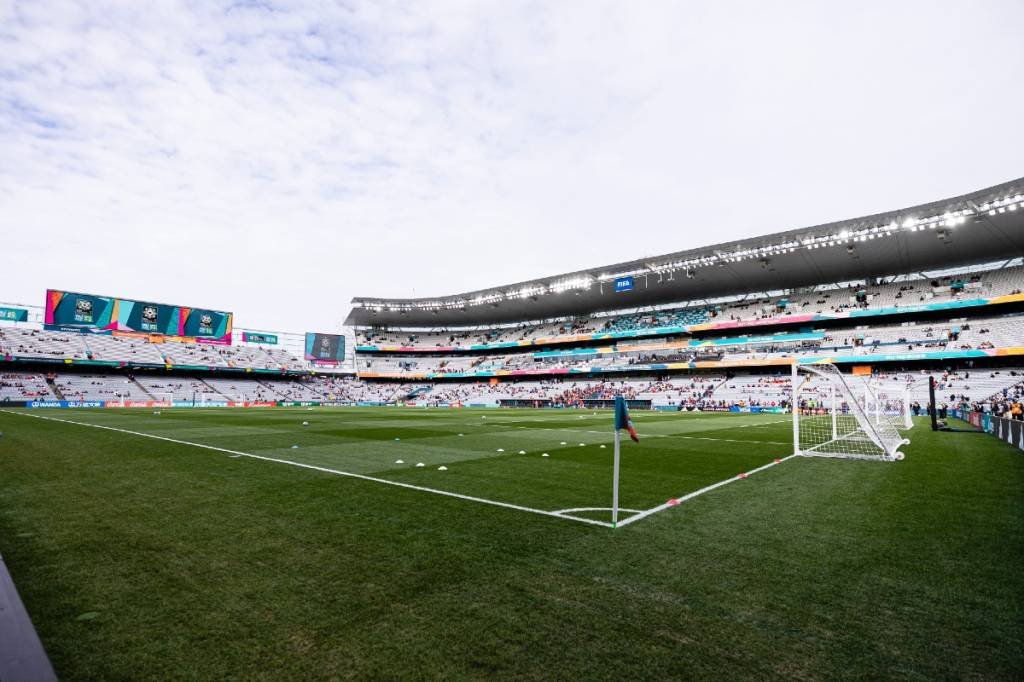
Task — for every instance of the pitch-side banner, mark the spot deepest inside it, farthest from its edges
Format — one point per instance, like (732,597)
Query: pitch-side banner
(69,311)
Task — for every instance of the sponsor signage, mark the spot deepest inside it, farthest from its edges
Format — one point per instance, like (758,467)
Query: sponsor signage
(13,314)
(624,284)
(253,337)
(65,403)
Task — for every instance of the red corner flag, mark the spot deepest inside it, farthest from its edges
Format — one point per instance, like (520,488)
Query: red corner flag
(622,420)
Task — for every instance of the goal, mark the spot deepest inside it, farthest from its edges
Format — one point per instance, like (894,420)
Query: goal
(209,400)
(844,416)
(890,401)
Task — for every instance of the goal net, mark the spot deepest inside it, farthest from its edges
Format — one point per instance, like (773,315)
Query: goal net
(889,401)
(209,400)
(843,416)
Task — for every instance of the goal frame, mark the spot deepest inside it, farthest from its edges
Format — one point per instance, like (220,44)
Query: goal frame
(874,439)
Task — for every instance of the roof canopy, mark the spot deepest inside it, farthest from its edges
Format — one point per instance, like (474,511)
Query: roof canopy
(983,226)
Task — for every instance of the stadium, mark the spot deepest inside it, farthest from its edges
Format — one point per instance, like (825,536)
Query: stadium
(705,347)
(307,370)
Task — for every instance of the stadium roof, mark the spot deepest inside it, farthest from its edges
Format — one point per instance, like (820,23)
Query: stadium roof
(979,227)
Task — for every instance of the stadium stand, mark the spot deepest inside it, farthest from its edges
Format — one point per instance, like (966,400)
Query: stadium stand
(17,386)
(749,308)
(712,328)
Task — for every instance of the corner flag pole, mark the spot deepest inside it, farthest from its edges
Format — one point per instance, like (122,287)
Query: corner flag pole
(615,482)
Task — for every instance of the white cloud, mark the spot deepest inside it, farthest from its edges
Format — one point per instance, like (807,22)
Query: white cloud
(278,158)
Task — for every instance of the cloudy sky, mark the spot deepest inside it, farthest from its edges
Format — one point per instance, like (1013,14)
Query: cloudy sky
(277,158)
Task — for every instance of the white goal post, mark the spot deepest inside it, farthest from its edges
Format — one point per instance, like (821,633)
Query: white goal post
(207,399)
(839,416)
(889,401)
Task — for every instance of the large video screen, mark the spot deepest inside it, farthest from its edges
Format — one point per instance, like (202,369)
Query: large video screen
(69,311)
(326,348)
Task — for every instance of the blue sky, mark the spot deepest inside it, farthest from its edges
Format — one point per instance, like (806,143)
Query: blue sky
(278,158)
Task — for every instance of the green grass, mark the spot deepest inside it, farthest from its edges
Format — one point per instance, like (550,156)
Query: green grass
(201,565)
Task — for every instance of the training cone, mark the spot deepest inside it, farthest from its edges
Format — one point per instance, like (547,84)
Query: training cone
(500,450)
(305,423)
(522,452)
(545,455)
(399,461)
(563,443)
(420,464)
(442,468)
(295,447)
(603,446)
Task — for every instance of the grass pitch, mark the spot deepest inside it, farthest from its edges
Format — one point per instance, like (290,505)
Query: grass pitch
(139,557)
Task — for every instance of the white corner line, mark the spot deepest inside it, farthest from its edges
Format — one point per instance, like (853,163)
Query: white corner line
(336,472)
(685,498)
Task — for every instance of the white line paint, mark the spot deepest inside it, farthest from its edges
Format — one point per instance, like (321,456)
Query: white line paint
(660,435)
(690,496)
(607,509)
(337,472)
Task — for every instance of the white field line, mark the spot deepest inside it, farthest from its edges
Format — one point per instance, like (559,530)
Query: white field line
(337,472)
(690,496)
(607,509)
(659,435)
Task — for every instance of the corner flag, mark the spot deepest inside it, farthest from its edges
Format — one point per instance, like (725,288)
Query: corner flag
(622,420)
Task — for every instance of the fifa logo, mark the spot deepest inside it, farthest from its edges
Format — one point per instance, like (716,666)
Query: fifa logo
(83,310)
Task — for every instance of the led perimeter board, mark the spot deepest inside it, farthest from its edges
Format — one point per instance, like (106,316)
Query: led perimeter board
(69,311)
(325,348)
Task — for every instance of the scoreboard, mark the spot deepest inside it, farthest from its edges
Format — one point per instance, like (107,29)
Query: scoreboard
(325,348)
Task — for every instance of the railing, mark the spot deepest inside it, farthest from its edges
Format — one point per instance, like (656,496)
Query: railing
(1009,430)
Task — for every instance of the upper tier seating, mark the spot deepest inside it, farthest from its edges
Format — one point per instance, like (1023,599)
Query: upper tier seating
(859,297)
(36,343)
(864,340)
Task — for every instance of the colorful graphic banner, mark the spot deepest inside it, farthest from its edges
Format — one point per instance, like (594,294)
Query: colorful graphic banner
(253,337)
(68,311)
(327,349)
(13,314)
(709,326)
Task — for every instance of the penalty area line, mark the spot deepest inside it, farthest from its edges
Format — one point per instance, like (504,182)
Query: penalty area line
(336,472)
(689,496)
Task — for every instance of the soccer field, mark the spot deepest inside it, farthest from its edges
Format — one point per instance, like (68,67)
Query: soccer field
(242,543)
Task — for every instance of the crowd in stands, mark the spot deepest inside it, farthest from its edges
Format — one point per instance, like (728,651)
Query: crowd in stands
(24,386)
(958,334)
(822,301)
(37,343)
(989,390)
